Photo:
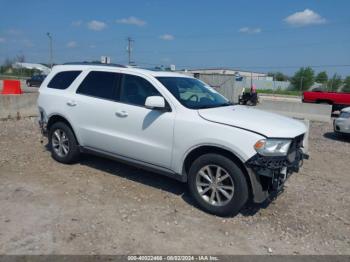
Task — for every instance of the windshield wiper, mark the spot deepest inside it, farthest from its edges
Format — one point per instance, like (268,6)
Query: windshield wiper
(213,106)
(226,104)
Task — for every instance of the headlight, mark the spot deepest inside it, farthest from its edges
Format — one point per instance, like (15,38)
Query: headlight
(272,147)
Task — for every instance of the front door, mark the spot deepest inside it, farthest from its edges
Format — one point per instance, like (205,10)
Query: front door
(144,134)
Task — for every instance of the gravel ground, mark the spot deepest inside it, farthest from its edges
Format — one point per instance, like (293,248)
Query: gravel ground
(102,207)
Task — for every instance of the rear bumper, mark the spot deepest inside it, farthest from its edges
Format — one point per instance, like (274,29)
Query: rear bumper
(268,174)
(43,127)
(42,123)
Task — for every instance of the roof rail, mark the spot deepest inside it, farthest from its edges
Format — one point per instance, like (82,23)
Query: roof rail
(94,63)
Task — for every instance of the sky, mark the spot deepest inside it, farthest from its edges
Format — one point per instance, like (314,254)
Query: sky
(270,35)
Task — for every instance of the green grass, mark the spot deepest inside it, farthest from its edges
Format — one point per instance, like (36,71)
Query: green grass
(279,92)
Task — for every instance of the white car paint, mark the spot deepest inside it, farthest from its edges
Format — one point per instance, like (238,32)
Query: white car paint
(342,123)
(159,138)
(266,123)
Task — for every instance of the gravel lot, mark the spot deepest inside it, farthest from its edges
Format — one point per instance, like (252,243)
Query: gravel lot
(102,207)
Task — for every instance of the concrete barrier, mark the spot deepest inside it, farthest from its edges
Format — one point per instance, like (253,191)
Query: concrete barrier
(18,106)
(297,109)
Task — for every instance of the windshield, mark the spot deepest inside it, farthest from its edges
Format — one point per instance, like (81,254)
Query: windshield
(193,93)
(344,114)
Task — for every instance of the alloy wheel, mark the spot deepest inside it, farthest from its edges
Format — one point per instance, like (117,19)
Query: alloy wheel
(60,143)
(214,185)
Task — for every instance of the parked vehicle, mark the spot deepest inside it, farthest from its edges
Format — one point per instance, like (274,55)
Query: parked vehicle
(248,98)
(35,80)
(172,124)
(342,123)
(337,100)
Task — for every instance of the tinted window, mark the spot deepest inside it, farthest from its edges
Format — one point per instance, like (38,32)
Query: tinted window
(193,93)
(135,90)
(63,80)
(100,84)
(344,115)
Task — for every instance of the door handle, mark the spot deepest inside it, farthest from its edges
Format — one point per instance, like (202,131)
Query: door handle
(121,113)
(71,103)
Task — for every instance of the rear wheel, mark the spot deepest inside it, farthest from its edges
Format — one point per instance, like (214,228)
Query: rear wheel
(218,185)
(63,144)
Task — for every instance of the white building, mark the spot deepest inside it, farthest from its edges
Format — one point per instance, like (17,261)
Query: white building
(44,69)
(230,71)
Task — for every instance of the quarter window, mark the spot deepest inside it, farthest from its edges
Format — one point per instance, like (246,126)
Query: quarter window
(63,80)
(100,84)
(135,90)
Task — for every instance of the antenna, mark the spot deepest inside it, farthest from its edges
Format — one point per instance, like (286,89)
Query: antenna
(129,49)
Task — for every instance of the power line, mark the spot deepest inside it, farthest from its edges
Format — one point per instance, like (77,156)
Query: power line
(234,33)
(241,48)
(254,66)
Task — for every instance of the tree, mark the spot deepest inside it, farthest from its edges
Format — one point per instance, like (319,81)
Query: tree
(20,58)
(278,76)
(303,79)
(346,87)
(334,83)
(8,62)
(321,77)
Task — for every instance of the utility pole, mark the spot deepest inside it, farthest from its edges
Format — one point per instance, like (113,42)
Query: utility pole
(251,79)
(50,48)
(130,41)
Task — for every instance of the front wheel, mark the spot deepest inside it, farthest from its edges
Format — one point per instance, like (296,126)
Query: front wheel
(218,185)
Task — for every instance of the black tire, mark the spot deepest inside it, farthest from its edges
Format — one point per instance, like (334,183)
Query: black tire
(73,152)
(240,194)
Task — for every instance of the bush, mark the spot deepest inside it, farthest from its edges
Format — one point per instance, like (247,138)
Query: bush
(303,79)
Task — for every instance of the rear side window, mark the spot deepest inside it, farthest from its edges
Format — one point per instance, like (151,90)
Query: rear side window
(100,84)
(63,80)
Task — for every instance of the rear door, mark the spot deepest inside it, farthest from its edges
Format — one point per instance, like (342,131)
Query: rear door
(93,110)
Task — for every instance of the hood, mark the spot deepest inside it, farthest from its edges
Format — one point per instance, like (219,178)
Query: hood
(255,120)
(346,109)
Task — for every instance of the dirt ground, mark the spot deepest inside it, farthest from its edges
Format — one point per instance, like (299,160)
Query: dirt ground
(103,207)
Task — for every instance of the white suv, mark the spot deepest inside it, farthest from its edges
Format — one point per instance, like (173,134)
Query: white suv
(174,125)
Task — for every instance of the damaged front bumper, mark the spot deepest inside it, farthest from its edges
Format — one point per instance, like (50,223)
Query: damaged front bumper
(268,174)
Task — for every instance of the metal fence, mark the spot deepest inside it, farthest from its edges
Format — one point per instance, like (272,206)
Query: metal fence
(224,84)
(230,88)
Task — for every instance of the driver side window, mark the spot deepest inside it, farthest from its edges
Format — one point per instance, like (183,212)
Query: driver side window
(134,90)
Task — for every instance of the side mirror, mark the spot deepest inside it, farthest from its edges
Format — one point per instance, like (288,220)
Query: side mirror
(155,102)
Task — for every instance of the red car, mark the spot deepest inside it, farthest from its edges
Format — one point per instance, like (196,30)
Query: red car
(338,100)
